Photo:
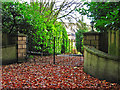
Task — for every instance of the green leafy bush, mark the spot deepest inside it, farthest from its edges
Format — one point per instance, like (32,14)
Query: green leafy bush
(79,35)
(79,40)
(27,18)
(106,15)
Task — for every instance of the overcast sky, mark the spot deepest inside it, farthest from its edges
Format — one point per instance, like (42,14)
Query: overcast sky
(76,14)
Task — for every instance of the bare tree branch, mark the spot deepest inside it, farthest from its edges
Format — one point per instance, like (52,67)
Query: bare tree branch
(59,9)
(57,12)
(68,5)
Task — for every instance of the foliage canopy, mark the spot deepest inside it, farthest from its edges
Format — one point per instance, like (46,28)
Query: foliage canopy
(34,20)
(106,15)
(79,35)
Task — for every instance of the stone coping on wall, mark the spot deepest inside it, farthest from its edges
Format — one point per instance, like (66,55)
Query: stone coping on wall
(91,33)
(20,34)
(100,53)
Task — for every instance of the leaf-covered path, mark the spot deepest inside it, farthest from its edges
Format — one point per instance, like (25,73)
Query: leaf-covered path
(41,73)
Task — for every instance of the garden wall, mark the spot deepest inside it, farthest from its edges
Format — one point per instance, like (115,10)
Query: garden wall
(101,65)
(13,48)
(92,39)
(9,54)
(96,39)
(21,47)
(114,42)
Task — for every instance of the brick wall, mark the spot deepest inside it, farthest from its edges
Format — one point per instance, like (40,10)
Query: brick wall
(21,46)
(96,39)
(92,39)
(18,54)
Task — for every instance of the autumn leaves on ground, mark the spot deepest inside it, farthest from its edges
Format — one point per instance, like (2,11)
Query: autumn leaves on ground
(39,72)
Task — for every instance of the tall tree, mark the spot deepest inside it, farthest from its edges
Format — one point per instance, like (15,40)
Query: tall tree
(105,14)
(59,9)
(34,23)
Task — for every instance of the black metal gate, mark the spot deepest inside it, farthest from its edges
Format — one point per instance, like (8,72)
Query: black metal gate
(68,55)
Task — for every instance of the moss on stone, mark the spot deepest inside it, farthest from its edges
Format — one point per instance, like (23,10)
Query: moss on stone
(100,53)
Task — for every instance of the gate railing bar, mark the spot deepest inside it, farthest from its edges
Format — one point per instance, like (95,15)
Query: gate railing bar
(54,52)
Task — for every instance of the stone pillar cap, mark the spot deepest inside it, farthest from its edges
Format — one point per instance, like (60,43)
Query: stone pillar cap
(91,33)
